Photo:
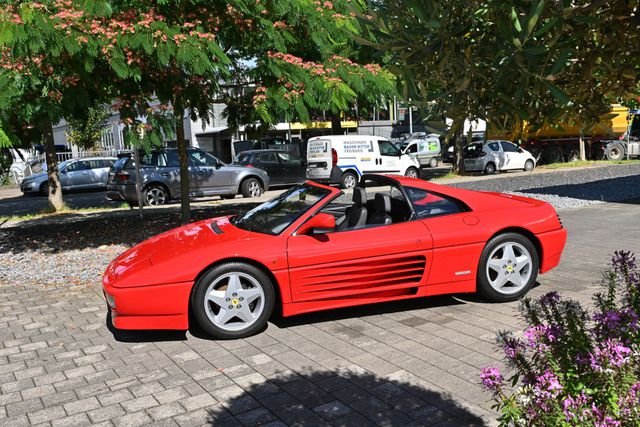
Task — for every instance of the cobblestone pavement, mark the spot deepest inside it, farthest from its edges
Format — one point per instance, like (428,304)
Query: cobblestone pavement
(409,363)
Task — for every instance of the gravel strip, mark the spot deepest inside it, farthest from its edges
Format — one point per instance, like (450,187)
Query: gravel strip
(570,188)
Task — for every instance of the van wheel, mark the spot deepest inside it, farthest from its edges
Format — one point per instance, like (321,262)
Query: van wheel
(490,168)
(433,163)
(411,172)
(349,180)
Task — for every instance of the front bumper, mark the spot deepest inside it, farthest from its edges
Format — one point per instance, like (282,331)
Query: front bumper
(29,187)
(149,307)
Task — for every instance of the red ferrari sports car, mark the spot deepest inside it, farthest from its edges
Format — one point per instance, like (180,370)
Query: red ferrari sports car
(314,247)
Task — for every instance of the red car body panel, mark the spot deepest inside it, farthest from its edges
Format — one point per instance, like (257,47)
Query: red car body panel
(149,286)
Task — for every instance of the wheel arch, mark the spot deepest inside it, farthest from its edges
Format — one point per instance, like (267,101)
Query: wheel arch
(250,175)
(353,171)
(526,233)
(252,262)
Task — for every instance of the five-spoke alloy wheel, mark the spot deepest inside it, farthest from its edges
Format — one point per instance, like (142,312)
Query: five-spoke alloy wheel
(233,300)
(155,195)
(508,267)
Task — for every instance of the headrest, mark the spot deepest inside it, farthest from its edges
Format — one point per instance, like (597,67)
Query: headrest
(382,203)
(359,196)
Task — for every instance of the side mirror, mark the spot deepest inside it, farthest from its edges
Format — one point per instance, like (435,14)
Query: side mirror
(218,165)
(321,221)
(520,150)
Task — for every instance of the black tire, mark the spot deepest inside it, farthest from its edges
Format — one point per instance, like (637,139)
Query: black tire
(155,195)
(553,154)
(433,162)
(574,155)
(251,187)
(484,287)
(200,304)
(228,196)
(528,165)
(490,168)
(44,189)
(614,151)
(348,180)
(412,172)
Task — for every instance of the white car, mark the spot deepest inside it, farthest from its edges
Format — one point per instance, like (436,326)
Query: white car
(427,149)
(491,156)
(343,159)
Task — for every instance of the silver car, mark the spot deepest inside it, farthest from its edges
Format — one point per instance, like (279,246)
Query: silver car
(75,174)
(492,156)
(160,177)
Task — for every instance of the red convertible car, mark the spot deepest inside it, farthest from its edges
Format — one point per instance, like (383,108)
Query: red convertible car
(314,247)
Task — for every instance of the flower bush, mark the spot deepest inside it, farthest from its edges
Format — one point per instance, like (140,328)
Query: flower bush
(572,367)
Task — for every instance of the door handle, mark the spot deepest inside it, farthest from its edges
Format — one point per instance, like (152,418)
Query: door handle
(85,173)
(164,174)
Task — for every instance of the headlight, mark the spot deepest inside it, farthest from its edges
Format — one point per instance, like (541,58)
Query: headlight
(111,300)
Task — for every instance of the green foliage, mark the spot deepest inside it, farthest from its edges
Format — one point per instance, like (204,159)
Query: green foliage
(86,132)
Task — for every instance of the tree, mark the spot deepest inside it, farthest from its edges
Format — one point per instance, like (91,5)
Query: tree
(512,61)
(261,59)
(85,133)
(46,72)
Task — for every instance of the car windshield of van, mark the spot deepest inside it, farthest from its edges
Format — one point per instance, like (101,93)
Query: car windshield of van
(274,216)
(387,148)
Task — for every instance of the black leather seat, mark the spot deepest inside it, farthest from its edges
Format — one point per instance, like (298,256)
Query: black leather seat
(382,206)
(356,215)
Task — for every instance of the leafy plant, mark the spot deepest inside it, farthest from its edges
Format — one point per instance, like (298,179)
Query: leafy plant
(573,368)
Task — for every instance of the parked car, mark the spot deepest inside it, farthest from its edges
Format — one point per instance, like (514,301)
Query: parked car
(426,149)
(75,174)
(310,249)
(492,156)
(160,177)
(343,159)
(282,167)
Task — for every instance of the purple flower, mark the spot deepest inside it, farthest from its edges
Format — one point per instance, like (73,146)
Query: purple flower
(611,323)
(547,385)
(550,299)
(623,260)
(491,378)
(630,403)
(539,336)
(512,347)
(610,353)
(571,406)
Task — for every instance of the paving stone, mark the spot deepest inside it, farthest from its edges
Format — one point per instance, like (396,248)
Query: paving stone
(106,413)
(165,411)
(254,417)
(139,404)
(72,421)
(133,420)
(200,401)
(82,405)
(47,414)
(332,410)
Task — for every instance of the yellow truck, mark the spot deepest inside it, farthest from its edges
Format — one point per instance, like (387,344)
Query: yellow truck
(561,142)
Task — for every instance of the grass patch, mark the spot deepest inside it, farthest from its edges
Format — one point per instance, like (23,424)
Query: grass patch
(448,175)
(587,163)
(48,212)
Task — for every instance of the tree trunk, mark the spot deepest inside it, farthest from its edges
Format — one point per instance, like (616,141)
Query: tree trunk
(583,155)
(56,203)
(336,125)
(458,164)
(185,200)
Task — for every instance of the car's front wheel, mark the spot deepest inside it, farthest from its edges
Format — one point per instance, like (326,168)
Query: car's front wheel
(528,165)
(349,180)
(44,189)
(233,300)
(251,188)
(411,172)
(433,162)
(508,267)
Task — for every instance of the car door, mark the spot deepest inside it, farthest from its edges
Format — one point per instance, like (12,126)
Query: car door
(268,161)
(293,169)
(76,175)
(202,168)
(389,157)
(496,155)
(515,159)
(99,172)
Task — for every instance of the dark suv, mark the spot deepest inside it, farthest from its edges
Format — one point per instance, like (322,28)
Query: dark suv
(282,167)
(160,177)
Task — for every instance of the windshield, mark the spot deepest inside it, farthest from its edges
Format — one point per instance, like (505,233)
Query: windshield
(274,216)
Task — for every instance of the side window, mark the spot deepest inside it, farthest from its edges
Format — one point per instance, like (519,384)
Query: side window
(81,165)
(508,147)
(268,159)
(289,159)
(172,159)
(494,146)
(387,148)
(413,148)
(200,158)
(427,204)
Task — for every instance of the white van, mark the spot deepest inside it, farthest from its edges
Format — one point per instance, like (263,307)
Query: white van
(426,148)
(342,159)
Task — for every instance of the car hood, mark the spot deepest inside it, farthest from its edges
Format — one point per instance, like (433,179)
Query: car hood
(35,177)
(177,255)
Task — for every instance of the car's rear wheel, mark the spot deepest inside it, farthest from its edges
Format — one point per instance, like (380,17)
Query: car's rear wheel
(508,267)
(490,168)
(411,172)
(251,188)
(155,195)
(349,180)
(44,189)
(233,300)
(433,162)
(528,165)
